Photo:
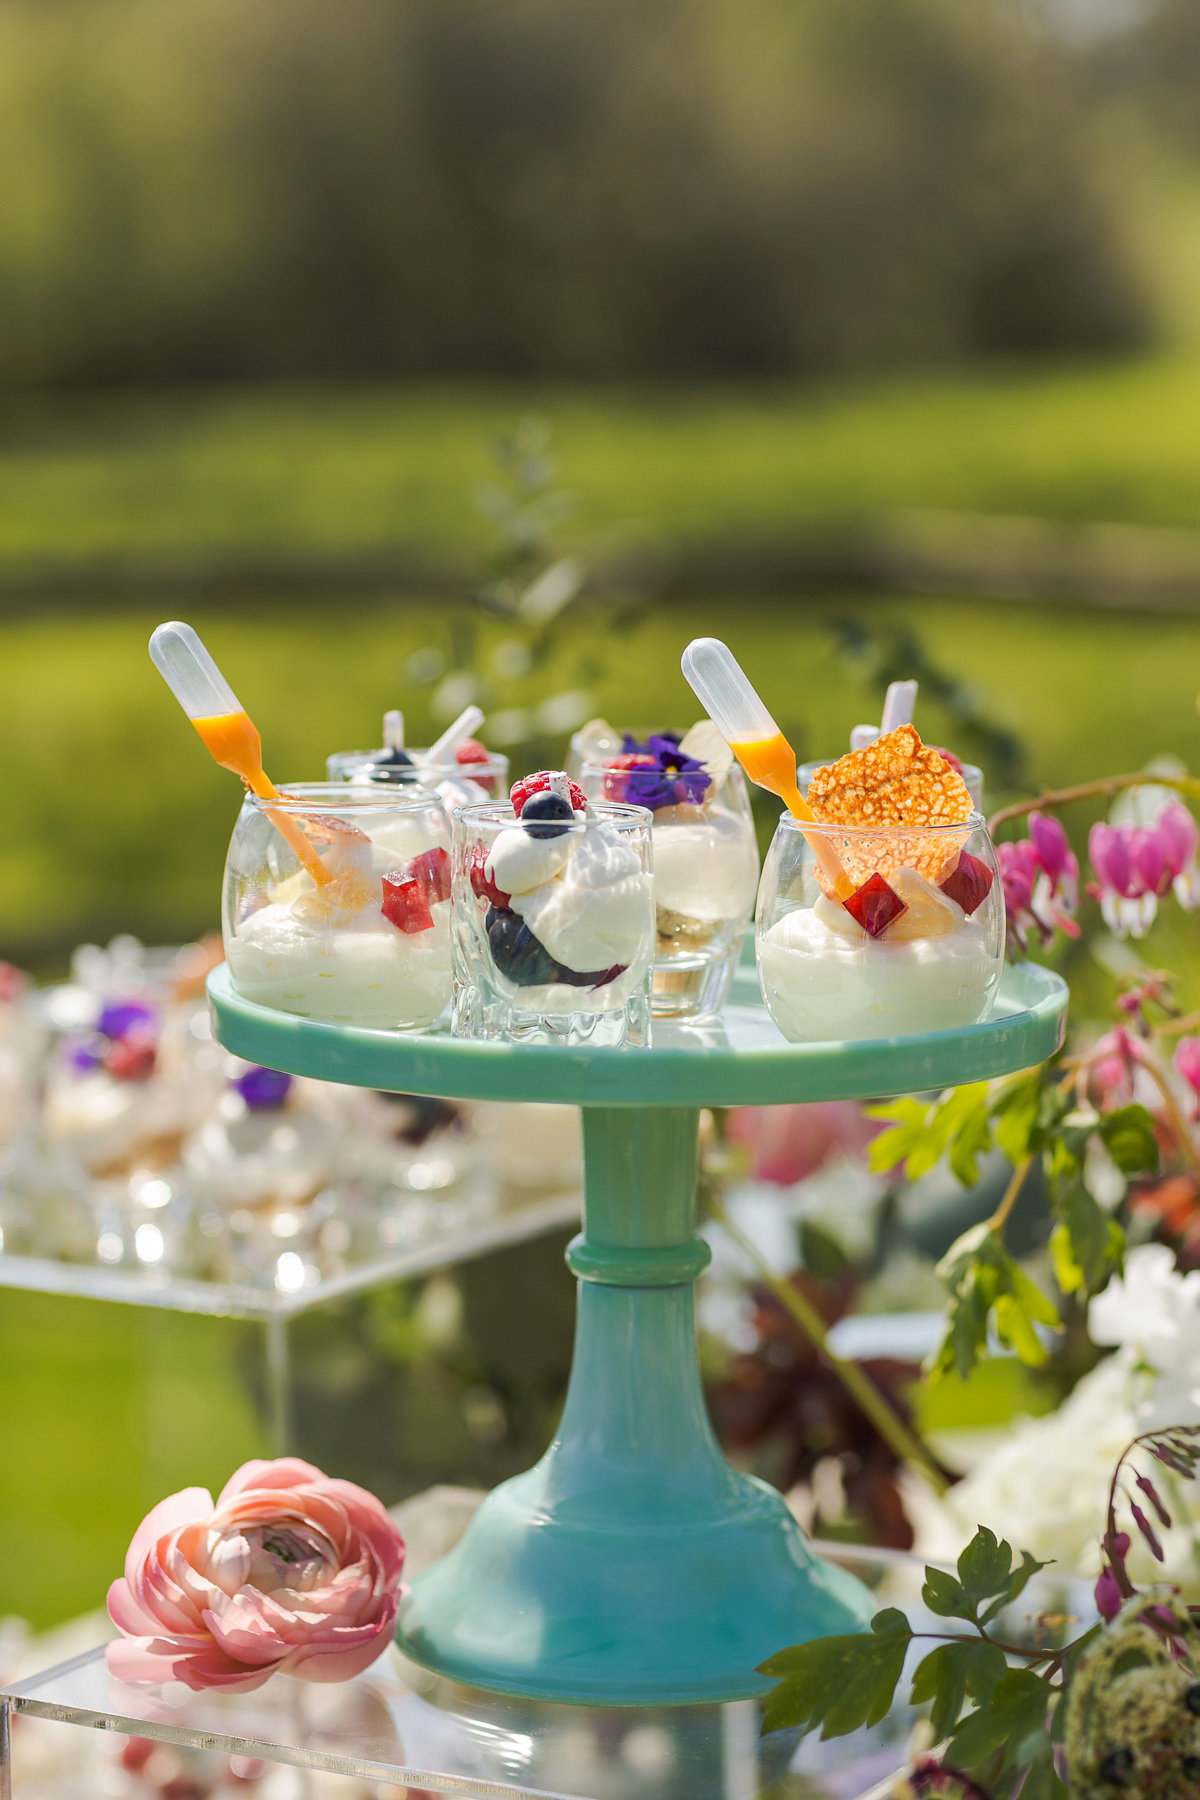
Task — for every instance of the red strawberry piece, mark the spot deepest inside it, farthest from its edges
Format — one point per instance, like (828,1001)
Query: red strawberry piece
(130,1059)
(405,905)
(13,982)
(875,905)
(949,757)
(610,974)
(472,751)
(537,784)
(482,885)
(432,870)
(969,884)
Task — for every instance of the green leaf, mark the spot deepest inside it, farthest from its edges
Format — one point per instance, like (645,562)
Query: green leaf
(1018,1706)
(920,1134)
(1015,1117)
(1086,1245)
(945,1596)
(1038,1305)
(984,1565)
(838,1683)
(1042,1782)
(1015,1330)
(1016,1585)
(1129,1139)
(948,1673)
(906,1134)
(973,1140)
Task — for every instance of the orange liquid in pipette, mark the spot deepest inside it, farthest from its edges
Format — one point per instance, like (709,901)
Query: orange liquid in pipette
(771,763)
(234,742)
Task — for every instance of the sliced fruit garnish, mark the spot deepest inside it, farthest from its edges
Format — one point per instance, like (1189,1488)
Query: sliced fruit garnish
(405,905)
(928,912)
(432,870)
(616,773)
(969,884)
(482,884)
(874,905)
(537,784)
(348,893)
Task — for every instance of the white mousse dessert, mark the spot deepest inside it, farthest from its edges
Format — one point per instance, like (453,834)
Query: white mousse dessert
(824,977)
(886,924)
(346,952)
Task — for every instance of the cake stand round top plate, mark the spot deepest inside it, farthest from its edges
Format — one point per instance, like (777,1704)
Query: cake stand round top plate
(738,1059)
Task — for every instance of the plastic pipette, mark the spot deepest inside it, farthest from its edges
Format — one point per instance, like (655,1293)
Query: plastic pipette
(723,689)
(452,737)
(393,730)
(224,726)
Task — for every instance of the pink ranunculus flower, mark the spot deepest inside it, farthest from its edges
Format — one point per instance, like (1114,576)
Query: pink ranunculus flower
(288,1571)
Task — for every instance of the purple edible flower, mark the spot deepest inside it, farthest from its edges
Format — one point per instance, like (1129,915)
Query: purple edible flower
(262,1089)
(674,778)
(120,1017)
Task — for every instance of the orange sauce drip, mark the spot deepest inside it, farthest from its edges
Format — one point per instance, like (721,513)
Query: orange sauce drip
(234,742)
(771,763)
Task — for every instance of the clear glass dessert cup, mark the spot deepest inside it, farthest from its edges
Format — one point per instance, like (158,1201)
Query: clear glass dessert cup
(468,782)
(927,958)
(705,877)
(553,931)
(369,945)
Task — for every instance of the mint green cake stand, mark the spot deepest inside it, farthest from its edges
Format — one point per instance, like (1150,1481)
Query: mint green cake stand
(633,1566)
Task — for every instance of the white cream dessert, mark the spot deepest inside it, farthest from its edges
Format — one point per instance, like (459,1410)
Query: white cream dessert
(823,976)
(370,948)
(705,855)
(886,924)
(569,920)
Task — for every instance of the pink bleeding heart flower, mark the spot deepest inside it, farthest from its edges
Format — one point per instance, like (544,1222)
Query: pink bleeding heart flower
(1109,1598)
(1107,1075)
(1040,875)
(1137,865)
(289,1571)
(1187,1062)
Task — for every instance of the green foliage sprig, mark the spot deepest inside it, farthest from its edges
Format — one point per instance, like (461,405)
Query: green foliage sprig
(997,1709)
(1035,1116)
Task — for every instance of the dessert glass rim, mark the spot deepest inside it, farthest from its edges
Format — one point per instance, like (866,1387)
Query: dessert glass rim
(610,812)
(335,797)
(832,827)
(494,760)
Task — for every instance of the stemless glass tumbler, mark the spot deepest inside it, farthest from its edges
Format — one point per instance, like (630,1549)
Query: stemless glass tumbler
(369,944)
(705,876)
(481,779)
(553,932)
(919,947)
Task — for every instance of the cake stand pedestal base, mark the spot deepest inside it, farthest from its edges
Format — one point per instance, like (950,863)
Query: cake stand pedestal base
(633,1566)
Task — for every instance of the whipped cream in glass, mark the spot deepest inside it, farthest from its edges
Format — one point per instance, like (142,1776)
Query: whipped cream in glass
(929,957)
(553,924)
(705,855)
(371,946)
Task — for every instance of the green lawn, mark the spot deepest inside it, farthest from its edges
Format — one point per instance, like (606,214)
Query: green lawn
(329,470)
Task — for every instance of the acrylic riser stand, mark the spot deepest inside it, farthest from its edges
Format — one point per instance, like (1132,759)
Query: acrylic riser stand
(633,1566)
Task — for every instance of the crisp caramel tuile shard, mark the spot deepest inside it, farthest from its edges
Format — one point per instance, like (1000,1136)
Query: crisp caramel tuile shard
(894,781)
(896,785)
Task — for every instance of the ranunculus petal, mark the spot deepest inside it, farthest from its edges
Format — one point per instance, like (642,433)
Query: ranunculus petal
(283,1472)
(177,1509)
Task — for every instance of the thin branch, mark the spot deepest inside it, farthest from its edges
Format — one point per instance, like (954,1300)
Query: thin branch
(891,1427)
(1087,790)
(1175,1118)
(999,1218)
